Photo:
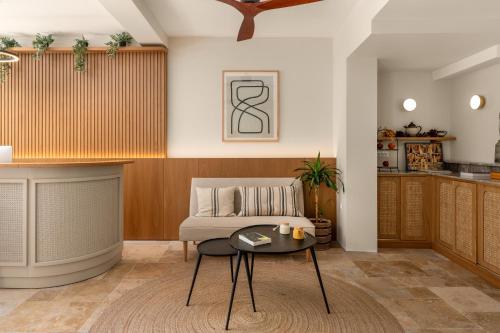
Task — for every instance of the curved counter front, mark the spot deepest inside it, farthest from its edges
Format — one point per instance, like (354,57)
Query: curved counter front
(60,221)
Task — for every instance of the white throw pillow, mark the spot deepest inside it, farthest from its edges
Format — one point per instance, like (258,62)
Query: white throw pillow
(269,201)
(215,201)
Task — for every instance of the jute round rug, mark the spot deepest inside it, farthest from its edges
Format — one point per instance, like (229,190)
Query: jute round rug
(287,296)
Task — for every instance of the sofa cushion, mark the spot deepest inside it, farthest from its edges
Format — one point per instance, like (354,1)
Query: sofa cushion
(225,182)
(203,228)
(269,201)
(215,201)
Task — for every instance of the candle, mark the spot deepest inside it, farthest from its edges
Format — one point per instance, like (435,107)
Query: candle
(285,228)
(5,154)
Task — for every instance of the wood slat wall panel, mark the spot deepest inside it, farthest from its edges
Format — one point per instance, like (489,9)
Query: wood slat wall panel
(144,200)
(178,174)
(116,109)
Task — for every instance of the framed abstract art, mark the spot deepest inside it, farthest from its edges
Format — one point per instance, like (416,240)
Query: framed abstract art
(250,106)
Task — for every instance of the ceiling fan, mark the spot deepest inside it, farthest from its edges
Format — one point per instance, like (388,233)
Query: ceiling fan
(251,8)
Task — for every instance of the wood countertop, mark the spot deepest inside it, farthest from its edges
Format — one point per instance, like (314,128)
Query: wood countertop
(52,163)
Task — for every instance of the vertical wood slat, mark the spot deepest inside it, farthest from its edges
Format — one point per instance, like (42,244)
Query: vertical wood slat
(116,109)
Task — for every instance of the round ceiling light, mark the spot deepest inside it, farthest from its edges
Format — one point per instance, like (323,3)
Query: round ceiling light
(477,102)
(409,104)
(8,57)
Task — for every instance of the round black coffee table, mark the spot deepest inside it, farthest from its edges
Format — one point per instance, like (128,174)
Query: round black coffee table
(280,244)
(217,247)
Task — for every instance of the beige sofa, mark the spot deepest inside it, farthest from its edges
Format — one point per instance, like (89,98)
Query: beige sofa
(202,228)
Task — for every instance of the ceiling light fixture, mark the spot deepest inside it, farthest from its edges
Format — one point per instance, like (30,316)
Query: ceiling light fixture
(8,57)
(409,104)
(477,102)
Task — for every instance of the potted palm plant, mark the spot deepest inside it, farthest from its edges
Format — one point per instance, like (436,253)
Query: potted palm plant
(314,174)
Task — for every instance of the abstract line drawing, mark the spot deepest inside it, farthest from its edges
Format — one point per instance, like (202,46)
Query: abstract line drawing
(250,106)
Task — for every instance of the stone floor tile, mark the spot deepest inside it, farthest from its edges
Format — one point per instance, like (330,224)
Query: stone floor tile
(467,299)
(434,313)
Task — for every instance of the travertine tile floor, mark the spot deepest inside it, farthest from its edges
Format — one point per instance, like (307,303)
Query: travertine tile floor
(423,290)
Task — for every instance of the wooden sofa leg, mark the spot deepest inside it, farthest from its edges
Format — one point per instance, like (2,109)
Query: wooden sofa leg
(308,255)
(185,248)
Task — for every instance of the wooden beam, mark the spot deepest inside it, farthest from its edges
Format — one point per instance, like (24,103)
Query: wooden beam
(137,19)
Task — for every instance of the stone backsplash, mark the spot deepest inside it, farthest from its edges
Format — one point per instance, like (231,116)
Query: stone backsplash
(471,167)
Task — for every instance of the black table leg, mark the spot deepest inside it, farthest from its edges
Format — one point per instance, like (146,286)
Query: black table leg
(249,278)
(231,263)
(198,261)
(313,254)
(238,262)
(251,271)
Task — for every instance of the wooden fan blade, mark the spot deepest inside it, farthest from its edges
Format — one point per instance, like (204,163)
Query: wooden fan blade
(247,28)
(275,4)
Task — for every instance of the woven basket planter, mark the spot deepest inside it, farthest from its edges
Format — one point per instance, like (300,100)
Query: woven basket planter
(323,233)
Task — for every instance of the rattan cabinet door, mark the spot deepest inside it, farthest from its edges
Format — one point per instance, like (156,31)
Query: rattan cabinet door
(466,220)
(446,212)
(389,207)
(416,208)
(489,227)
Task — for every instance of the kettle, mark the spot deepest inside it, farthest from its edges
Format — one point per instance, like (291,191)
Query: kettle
(412,129)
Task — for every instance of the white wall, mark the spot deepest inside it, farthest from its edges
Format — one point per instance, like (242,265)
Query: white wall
(434,104)
(361,143)
(477,132)
(195,95)
(433,100)
(356,231)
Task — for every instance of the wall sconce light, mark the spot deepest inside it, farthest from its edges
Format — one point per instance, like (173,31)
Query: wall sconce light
(477,102)
(8,57)
(409,104)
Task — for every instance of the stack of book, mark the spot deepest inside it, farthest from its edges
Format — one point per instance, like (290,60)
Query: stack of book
(495,175)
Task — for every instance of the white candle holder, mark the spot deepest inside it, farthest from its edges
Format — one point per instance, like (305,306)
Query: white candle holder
(5,154)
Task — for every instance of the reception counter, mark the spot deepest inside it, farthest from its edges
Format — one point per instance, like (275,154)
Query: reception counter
(61,221)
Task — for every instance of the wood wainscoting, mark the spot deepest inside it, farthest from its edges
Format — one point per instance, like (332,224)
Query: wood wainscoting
(115,109)
(157,190)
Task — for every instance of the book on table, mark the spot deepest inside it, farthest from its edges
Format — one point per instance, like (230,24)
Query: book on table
(255,238)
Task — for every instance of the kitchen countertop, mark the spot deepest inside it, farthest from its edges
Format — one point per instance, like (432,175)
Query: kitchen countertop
(451,175)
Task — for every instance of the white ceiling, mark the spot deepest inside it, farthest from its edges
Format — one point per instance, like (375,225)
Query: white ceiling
(429,34)
(425,52)
(61,17)
(176,17)
(216,19)
(441,9)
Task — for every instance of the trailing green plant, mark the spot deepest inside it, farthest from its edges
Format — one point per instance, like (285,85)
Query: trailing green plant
(80,51)
(315,173)
(118,40)
(41,43)
(5,67)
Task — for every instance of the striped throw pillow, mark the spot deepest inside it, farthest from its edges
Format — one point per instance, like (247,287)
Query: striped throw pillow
(216,201)
(269,201)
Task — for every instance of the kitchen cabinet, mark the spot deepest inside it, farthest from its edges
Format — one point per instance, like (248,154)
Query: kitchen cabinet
(389,207)
(404,210)
(489,227)
(416,208)
(456,217)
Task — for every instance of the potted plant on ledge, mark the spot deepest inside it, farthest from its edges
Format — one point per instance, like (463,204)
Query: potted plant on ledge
(314,174)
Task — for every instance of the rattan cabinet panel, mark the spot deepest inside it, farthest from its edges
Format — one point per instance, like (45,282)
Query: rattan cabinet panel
(388,207)
(446,212)
(465,220)
(415,208)
(489,227)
